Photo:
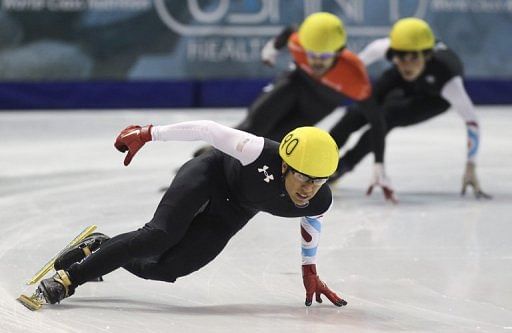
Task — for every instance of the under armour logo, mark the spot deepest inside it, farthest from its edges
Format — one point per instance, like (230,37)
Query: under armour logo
(268,177)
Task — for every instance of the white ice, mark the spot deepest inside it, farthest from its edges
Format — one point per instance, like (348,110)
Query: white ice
(436,262)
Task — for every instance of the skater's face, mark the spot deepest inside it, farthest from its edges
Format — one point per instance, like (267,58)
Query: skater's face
(409,64)
(300,187)
(320,62)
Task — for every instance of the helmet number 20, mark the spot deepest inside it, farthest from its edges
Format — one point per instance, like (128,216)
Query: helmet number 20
(289,144)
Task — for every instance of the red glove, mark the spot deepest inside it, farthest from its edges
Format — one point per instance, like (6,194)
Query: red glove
(314,285)
(131,139)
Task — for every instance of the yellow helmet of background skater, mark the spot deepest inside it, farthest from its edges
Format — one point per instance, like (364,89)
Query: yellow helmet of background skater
(411,34)
(310,151)
(322,33)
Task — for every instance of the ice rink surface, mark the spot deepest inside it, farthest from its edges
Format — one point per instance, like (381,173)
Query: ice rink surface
(436,262)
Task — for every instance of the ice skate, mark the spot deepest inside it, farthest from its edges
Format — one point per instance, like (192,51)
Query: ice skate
(37,299)
(56,288)
(80,251)
(50,291)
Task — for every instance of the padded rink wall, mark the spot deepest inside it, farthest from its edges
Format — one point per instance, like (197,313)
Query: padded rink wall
(72,54)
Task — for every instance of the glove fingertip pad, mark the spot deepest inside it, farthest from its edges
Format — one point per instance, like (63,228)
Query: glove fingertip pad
(341,303)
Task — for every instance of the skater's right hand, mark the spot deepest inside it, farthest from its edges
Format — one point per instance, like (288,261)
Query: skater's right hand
(131,139)
(470,180)
(380,179)
(314,285)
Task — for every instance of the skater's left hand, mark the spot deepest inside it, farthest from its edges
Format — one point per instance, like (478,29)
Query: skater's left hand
(131,139)
(470,180)
(269,53)
(314,285)
(380,179)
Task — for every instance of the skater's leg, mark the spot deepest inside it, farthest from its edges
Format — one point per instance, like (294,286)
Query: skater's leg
(312,105)
(351,121)
(274,104)
(401,112)
(204,240)
(354,155)
(118,251)
(365,143)
(414,110)
(186,196)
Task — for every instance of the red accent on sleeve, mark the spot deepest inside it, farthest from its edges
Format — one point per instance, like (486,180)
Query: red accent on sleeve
(305,235)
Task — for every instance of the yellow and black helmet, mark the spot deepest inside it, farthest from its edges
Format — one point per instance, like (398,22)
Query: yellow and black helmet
(411,34)
(322,33)
(311,151)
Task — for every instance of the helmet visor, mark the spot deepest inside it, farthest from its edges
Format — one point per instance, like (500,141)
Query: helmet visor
(321,55)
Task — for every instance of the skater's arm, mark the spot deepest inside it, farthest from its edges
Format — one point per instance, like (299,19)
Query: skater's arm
(310,229)
(241,145)
(374,51)
(455,93)
(272,47)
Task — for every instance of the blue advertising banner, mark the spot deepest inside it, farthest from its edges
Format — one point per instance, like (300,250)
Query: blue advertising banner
(133,42)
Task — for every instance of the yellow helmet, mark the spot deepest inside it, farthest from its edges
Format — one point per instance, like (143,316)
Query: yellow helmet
(322,33)
(411,34)
(311,151)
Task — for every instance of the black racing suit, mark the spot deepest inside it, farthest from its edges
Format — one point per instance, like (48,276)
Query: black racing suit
(298,97)
(211,198)
(294,100)
(401,102)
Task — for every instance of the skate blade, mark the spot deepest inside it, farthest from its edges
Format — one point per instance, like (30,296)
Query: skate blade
(31,303)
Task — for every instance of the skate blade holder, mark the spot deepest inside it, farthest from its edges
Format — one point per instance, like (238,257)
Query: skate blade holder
(32,303)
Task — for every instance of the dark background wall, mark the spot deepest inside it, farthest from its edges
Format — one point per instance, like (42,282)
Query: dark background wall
(57,54)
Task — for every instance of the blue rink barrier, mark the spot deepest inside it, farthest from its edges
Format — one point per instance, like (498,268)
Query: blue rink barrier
(97,95)
(175,94)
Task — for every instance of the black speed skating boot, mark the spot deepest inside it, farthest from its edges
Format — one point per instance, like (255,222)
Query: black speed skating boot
(56,288)
(78,252)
